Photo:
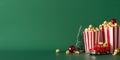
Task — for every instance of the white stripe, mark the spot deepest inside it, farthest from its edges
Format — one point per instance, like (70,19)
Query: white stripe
(93,39)
(115,37)
(111,39)
(106,38)
(90,40)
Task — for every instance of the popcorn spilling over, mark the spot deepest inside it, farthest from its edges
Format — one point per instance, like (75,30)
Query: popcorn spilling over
(91,29)
(91,37)
(108,24)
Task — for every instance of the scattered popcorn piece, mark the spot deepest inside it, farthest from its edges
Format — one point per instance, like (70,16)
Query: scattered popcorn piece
(91,29)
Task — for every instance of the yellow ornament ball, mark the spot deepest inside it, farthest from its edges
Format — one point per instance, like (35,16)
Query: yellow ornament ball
(57,50)
(77,52)
(117,50)
(67,52)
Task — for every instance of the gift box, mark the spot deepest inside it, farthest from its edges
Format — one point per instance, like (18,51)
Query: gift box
(91,37)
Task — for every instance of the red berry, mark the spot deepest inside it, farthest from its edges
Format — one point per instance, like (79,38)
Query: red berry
(71,48)
(113,20)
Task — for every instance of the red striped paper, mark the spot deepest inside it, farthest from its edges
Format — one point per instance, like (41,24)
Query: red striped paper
(112,37)
(90,39)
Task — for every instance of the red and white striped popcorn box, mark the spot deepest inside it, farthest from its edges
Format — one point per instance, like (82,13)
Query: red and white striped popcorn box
(114,38)
(111,35)
(105,35)
(90,39)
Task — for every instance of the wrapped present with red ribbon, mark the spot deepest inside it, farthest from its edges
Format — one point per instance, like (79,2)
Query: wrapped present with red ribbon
(91,37)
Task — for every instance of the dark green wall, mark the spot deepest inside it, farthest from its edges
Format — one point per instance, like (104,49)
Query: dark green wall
(50,24)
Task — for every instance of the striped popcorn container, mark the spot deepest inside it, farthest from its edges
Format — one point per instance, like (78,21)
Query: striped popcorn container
(110,34)
(105,34)
(112,37)
(91,37)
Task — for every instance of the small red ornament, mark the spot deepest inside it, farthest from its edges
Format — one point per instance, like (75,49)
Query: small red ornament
(71,48)
(113,20)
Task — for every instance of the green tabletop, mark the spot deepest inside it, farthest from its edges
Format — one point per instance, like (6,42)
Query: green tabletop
(84,56)
(51,55)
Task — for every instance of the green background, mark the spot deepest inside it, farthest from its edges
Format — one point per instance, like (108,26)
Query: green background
(50,24)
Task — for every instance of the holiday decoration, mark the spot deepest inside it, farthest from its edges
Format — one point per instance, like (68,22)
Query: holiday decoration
(91,37)
(116,52)
(77,52)
(113,20)
(71,48)
(104,40)
(67,52)
(110,33)
(80,40)
(101,48)
(57,50)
